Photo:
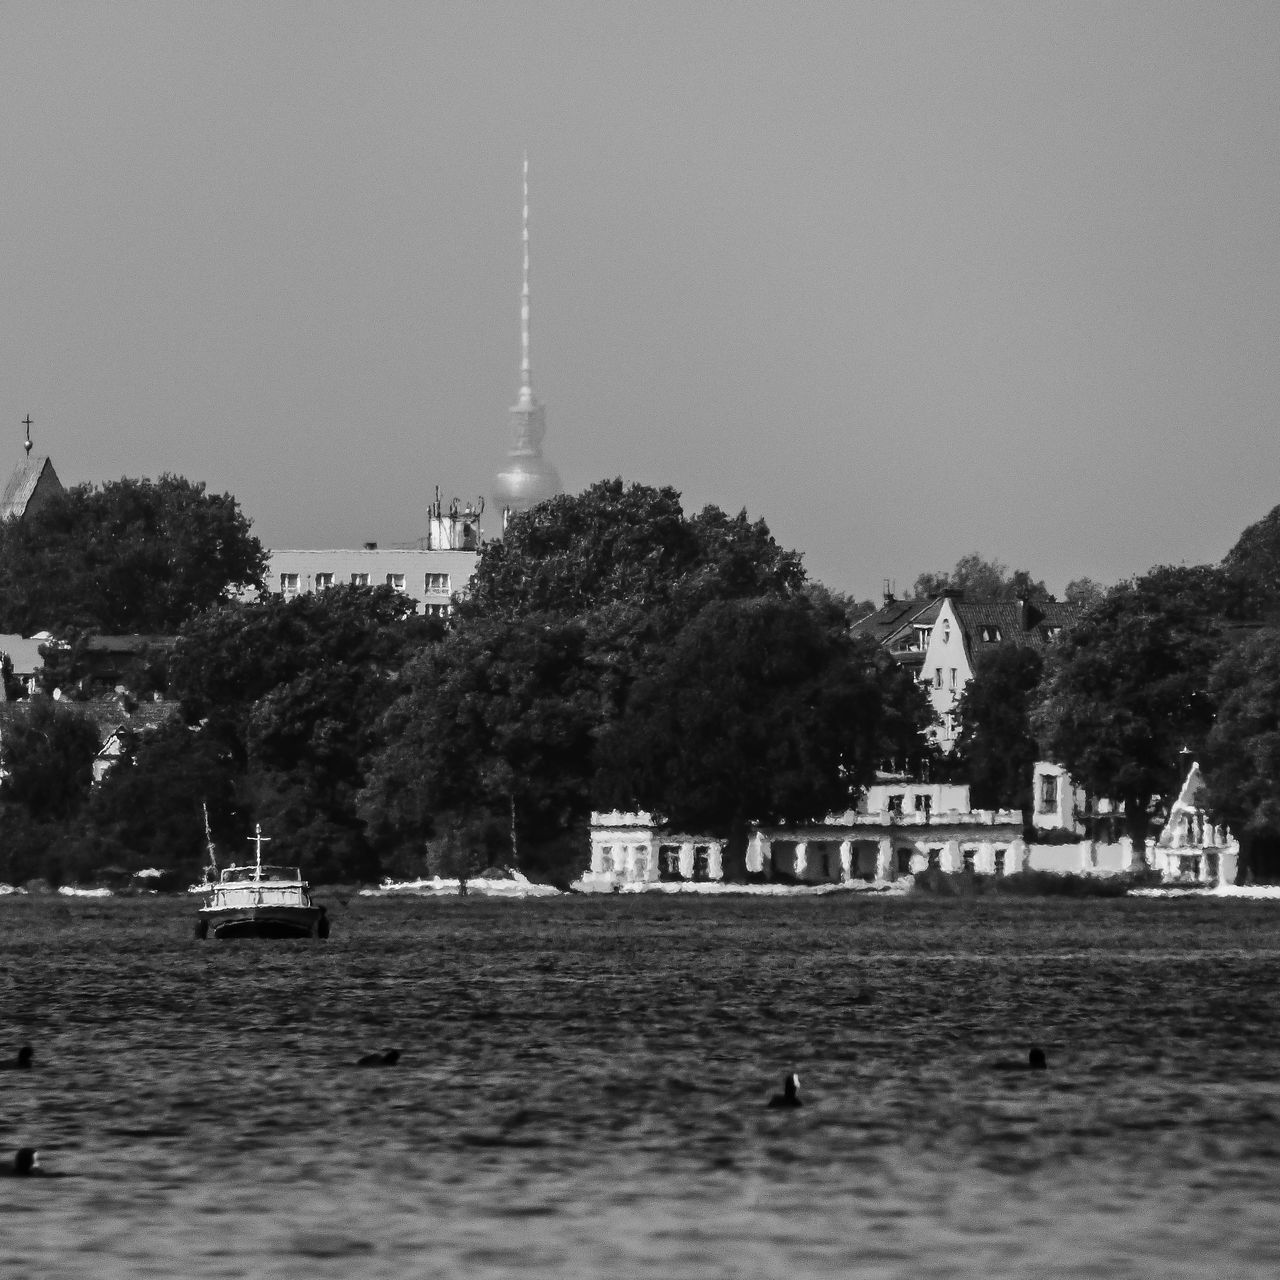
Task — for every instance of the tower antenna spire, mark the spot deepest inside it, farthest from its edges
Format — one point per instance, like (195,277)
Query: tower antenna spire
(527,478)
(526,367)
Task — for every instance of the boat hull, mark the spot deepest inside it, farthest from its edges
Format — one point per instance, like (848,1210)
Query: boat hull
(265,922)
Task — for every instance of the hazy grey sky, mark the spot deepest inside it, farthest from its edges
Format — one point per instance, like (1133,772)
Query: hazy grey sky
(908,280)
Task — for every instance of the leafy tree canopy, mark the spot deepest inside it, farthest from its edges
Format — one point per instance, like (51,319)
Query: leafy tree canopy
(1128,687)
(1241,758)
(1084,592)
(981,579)
(228,658)
(996,747)
(616,544)
(762,709)
(1253,566)
(147,810)
(290,691)
(47,752)
(497,720)
(131,556)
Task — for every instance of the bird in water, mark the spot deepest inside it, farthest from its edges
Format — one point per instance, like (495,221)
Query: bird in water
(26,1164)
(21,1062)
(790,1095)
(1036,1061)
(387,1059)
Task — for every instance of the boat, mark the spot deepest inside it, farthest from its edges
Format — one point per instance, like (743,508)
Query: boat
(261,901)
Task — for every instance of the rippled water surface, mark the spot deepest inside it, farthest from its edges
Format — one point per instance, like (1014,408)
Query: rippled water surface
(583,1085)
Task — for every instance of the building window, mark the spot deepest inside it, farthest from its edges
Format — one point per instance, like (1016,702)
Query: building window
(702,862)
(991,634)
(968,856)
(953,677)
(999,862)
(937,677)
(324,581)
(904,862)
(436,610)
(946,633)
(922,637)
(923,803)
(395,581)
(359,579)
(288,584)
(895,805)
(1052,633)
(1048,793)
(438,584)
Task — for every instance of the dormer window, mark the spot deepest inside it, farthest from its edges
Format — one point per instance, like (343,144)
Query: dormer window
(991,634)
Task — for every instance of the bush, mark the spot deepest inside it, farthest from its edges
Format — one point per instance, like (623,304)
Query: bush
(1033,884)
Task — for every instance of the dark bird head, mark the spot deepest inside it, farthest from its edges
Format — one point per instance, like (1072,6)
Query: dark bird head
(26,1161)
(1036,1059)
(24,1056)
(790,1095)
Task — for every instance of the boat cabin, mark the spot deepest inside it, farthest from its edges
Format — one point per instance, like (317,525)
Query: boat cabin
(242,875)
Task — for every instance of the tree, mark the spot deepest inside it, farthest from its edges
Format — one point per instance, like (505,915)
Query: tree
(996,747)
(761,710)
(498,720)
(1084,592)
(1128,687)
(290,691)
(613,544)
(981,579)
(148,811)
(47,754)
(1252,566)
(1241,757)
(132,556)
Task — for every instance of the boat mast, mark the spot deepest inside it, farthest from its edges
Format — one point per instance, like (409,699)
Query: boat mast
(257,839)
(208,840)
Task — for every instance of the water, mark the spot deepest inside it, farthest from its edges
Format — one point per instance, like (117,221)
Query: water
(583,1082)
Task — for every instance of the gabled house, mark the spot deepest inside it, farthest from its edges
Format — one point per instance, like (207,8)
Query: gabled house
(963,630)
(113,720)
(902,627)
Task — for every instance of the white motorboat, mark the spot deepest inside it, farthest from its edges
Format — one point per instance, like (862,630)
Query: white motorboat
(261,901)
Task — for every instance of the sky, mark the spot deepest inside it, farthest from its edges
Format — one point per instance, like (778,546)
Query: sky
(907,280)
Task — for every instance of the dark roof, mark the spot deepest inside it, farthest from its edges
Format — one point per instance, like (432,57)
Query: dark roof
(22,485)
(108,714)
(887,624)
(989,623)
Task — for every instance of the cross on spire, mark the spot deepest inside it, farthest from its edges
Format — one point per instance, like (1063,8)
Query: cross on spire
(26,422)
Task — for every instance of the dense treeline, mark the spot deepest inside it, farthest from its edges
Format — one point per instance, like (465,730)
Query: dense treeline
(613,652)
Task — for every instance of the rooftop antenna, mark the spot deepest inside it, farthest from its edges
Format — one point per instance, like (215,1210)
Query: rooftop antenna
(26,422)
